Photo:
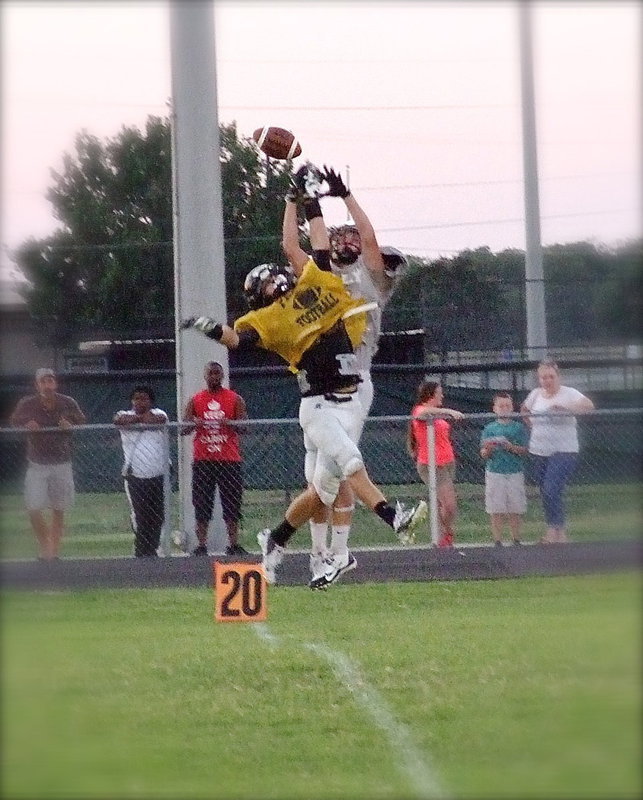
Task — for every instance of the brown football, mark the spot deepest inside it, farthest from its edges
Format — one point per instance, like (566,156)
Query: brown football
(277,142)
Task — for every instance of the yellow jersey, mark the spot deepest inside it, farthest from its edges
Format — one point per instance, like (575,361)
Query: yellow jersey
(294,322)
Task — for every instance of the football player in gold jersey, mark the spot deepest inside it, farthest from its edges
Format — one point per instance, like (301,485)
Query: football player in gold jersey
(305,315)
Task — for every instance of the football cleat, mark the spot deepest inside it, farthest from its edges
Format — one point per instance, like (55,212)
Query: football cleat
(318,566)
(407,519)
(272,553)
(336,566)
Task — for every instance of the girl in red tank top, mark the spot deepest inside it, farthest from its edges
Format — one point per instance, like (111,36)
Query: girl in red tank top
(429,401)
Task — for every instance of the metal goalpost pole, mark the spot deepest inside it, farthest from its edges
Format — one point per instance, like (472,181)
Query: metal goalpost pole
(198,222)
(534,279)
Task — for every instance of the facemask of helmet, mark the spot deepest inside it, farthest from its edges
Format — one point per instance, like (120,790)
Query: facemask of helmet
(345,245)
(265,283)
(395,262)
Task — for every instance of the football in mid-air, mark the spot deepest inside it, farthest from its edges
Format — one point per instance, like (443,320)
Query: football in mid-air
(277,142)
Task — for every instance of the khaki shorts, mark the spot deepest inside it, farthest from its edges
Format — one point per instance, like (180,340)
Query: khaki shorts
(505,494)
(49,486)
(443,474)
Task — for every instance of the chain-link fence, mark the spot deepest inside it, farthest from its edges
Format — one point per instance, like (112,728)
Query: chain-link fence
(603,499)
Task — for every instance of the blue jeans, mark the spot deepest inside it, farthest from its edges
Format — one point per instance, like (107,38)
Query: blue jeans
(552,474)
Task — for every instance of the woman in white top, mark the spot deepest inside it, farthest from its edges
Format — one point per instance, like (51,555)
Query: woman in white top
(553,442)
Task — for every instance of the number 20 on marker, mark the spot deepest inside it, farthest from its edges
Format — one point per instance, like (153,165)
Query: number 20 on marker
(239,593)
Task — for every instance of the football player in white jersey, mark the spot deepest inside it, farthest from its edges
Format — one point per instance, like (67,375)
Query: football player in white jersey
(369,272)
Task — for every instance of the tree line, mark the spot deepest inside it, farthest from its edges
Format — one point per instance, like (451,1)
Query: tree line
(108,267)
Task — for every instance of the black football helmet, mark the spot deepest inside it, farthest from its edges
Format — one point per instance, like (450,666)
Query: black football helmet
(345,245)
(265,283)
(395,262)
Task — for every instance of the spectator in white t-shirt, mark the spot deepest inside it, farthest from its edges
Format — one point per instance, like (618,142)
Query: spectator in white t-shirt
(145,462)
(553,442)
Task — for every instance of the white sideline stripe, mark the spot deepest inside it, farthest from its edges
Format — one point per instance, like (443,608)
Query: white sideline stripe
(412,762)
(261,629)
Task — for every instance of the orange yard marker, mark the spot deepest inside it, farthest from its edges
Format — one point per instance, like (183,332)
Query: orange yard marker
(240,593)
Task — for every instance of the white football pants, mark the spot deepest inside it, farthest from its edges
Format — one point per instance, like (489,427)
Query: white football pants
(331,431)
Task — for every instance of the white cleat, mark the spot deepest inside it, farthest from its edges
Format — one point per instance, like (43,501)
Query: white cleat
(336,565)
(407,519)
(318,566)
(272,556)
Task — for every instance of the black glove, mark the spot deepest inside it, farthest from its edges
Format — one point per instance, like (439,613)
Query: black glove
(337,187)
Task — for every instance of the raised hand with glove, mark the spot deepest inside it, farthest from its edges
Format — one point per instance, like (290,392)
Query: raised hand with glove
(308,180)
(211,328)
(336,185)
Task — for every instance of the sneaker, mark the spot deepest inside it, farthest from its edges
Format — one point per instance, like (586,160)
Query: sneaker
(336,565)
(200,550)
(236,550)
(318,566)
(446,540)
(516,541)
(497,544)
(272,553)
(407,519)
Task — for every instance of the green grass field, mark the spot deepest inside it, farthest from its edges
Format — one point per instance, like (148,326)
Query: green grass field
(492,689)
(98,525)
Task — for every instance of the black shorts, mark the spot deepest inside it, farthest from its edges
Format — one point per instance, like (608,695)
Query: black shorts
(206,476)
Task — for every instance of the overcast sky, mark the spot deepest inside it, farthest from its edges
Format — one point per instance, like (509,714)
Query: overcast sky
(421,100)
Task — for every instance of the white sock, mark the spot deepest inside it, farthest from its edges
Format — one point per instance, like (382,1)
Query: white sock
(318,536)
(339,539)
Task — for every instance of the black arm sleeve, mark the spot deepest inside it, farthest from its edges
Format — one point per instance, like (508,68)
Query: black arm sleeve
(322,259)
(247,338)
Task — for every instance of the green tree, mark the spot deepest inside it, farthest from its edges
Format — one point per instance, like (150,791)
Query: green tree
(593,293)
(458,307)
(109,266)
(622,306)
(476,300)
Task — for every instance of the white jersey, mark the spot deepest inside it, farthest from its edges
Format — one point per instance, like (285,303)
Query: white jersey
(359,283)
(145,452)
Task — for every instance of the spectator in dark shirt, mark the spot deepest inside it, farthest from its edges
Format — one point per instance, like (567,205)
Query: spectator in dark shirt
(49,481)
